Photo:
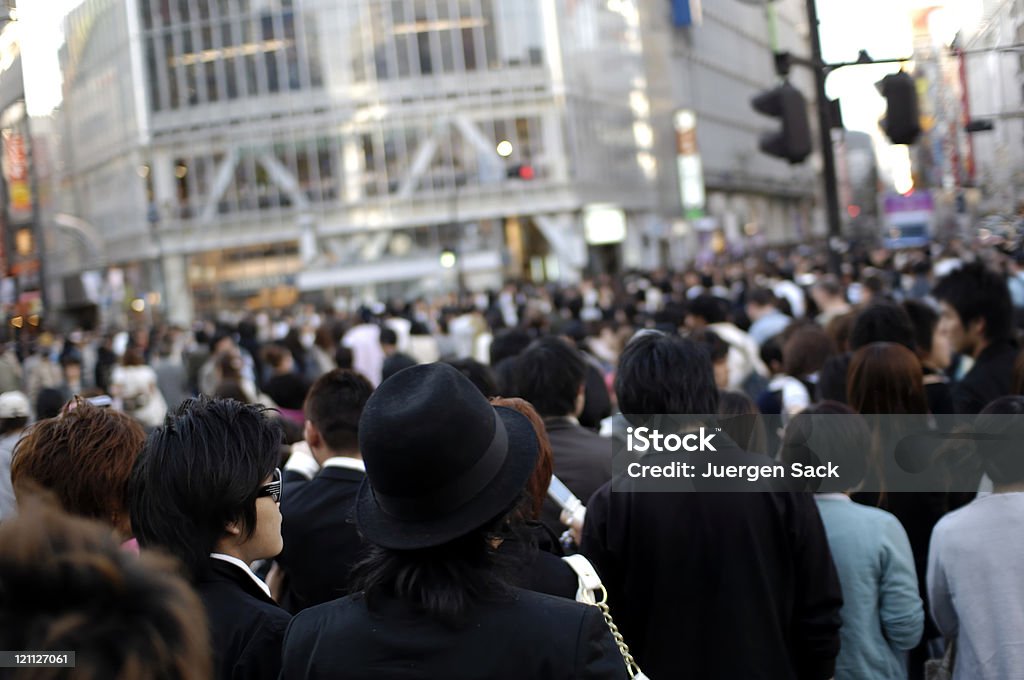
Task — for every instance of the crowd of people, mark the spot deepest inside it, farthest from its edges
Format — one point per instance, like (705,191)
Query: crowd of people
(330,495)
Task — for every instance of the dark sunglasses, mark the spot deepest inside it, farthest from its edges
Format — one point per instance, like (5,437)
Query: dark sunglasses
(273,489)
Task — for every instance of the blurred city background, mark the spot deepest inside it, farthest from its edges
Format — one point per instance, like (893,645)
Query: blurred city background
(168,160)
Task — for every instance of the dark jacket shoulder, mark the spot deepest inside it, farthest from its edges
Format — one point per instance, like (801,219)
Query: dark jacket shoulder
(246,626)
(564,639)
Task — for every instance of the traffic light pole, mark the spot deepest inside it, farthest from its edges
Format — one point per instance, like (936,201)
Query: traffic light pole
(828,157)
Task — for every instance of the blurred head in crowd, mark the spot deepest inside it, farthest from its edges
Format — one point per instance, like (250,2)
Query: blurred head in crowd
(333,407)
(718,350)
(742,422)
(14,412)
(1002,459)
(885,378)
(480,375)
(705,310)
(827,293)
(805,351)
(540,480)
(508,343)
(388,340)
(343,357)
(201,484)
(931,335)
(845,441)
(49,403)
(665,374)
(133,357)
(550,375)
(279,358)
(65,584)
(761,302)
(839,329)
(882,321)
(84,457)
(976,302)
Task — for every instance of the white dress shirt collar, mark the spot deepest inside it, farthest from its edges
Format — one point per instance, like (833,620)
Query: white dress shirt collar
(244,567)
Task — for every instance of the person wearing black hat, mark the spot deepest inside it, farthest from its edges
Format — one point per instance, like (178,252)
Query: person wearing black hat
(444,469)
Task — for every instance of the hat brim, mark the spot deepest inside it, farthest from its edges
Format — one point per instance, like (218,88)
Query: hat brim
(387,531)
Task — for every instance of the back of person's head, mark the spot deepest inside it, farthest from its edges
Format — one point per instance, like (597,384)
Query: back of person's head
(885,377)
(508,343)
(343,357)
(396,363)
(540,480)
(84,457)
(771,353)
(276,355)
(709,308)
(388,336)
(550,375)
(742,421)
(230,389)
(839,329)
(133,357)
(665,374)
(506,376)
(1002,459)
(978,293)
(924,320)
(762,297)
(333,406)
(65,584)
(806,351)
(49,403)
(15,411)
(882,321)
(838,432)
(828,286)
(480,375)
(717,348)
(200,472)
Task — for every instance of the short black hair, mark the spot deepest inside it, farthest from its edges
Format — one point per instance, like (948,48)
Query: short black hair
(506,376)
(333,406)
(709,308)
(388,336)
(343,357)
(976,292)
(508,343)
(199,472)
(549,376)
(762,297)
(480,375)
(665,374)
(718,349)
(924,320)
(882,321)
(1002,460)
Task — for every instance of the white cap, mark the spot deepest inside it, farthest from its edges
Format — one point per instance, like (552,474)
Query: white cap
(14,405)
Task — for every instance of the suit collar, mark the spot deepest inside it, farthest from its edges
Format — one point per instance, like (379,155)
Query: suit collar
(227,568)
(561,423)
(346,463)
(342,474)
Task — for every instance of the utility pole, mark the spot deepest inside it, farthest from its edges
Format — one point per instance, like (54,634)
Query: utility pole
(828,158)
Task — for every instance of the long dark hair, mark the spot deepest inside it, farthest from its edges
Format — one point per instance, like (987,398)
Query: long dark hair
(442,582)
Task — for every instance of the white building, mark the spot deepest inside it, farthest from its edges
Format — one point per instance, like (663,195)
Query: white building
(266,151)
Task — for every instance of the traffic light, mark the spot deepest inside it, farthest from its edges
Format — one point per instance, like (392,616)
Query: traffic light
(902,120)
(793,141)
(521,171)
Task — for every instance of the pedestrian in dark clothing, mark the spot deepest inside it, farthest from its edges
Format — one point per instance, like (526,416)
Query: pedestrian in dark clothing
(976,304)
(321,543)
(695,577)
(206,489)
(550,375)
(444,470)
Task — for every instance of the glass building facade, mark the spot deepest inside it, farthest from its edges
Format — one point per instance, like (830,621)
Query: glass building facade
(266,151)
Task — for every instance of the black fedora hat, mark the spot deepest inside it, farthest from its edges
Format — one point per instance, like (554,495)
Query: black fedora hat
(440,460)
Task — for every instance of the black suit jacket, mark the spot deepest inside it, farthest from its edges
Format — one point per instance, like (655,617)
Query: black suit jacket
(528,635)
(246,627)
(321,542)
(716,585)
(582,460)
(989,378)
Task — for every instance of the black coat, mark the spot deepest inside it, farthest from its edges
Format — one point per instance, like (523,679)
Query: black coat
(534,561)
(321,542)
(246,627)
(990,378)
(718,585)
(582,460)
(527,635)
